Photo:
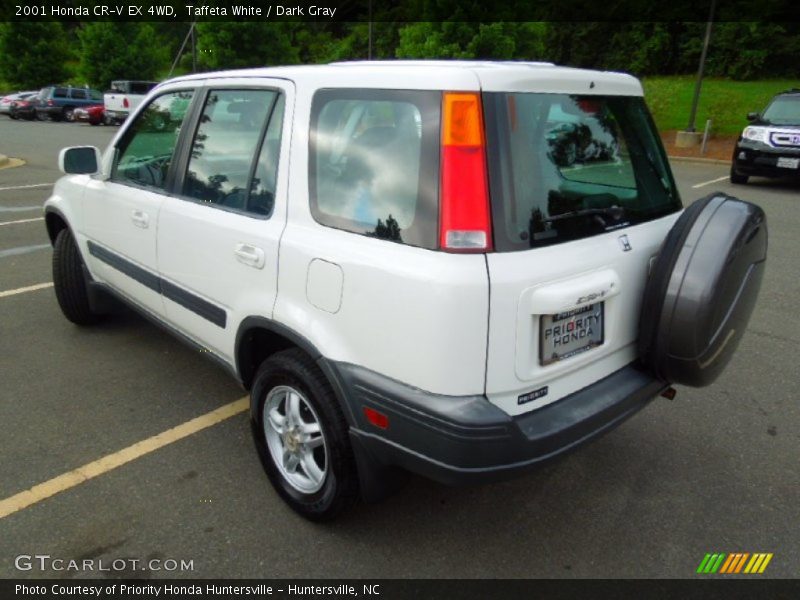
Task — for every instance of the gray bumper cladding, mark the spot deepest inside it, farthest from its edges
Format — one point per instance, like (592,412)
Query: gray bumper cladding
(467,439)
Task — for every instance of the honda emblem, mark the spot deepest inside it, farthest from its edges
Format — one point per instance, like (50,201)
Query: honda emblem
(625,243)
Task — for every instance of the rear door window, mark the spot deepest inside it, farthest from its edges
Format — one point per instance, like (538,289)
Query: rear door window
(374,163)
(565,167)
(231,126)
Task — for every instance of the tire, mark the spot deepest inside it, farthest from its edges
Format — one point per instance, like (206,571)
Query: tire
(702,290)
(68,114)
(69,281)
(318,477)
(40,116)
(738,179)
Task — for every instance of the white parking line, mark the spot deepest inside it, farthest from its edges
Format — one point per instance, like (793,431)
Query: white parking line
(22,250)
(24,187)
(110,462)
(705,183)
(19,208)
(30,288)
(22,221)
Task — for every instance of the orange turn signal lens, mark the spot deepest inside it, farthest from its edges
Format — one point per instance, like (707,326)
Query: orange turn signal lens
(462,120)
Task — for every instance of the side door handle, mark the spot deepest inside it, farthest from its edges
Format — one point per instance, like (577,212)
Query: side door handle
(140,219)
(251,256)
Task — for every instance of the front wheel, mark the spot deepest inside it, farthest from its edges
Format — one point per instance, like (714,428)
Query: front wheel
(302,436)
(738,179)
(69,281)
(68,114)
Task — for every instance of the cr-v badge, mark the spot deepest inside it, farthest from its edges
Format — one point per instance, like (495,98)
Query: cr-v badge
(625,243)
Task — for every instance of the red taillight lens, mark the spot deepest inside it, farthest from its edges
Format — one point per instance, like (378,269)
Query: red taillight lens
(465,216)
(125,103)
(49,103)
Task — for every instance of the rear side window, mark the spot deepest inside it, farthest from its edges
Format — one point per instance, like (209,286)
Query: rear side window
(231,127)
(60,92)
(565,167)
(374,158)
(79,94)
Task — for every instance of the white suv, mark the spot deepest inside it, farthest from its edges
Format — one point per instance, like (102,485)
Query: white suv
(459,269)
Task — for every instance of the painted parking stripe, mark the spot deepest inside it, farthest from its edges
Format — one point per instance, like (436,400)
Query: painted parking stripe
(25,187)
(20,208)
(110,462)
(30,288)
(22,250)
(705,183)
(22,221)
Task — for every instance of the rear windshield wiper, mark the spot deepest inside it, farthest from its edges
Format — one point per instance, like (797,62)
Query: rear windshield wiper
(615,212)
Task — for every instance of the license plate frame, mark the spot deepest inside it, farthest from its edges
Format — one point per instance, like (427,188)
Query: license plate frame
(576,331)
(788,163)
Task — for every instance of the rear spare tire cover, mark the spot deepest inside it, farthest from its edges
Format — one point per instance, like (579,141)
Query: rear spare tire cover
(702,290)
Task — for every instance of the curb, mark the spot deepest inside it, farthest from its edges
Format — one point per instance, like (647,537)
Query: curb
(704,161)
(3,160)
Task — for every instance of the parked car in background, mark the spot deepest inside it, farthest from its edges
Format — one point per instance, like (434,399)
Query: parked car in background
(770,145)
(24,108)
(94,115)
(123,97)
(5,101)
(57,102)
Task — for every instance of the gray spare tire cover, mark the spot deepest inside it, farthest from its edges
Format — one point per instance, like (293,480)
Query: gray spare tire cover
(702,290)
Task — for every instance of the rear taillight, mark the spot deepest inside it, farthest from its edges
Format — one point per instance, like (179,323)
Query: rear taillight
(465,216)
(125,103)
(49,103)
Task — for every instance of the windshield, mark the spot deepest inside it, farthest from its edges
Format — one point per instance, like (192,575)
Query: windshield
(564,167)
(783,110)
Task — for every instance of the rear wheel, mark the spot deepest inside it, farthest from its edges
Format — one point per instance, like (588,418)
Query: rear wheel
(69,281)
(302,436)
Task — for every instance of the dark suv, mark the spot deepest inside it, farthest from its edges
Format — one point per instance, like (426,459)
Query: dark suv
(59,103)
(770,146)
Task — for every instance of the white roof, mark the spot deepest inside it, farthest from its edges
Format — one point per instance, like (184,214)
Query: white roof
(509,76)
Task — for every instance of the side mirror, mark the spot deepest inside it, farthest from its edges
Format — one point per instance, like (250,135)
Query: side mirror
(752,116)
(79,160)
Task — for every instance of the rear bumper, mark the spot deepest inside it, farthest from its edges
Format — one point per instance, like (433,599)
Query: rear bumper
(461,440)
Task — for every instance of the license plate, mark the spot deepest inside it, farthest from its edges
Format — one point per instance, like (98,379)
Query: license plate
(567,334)
(789,163)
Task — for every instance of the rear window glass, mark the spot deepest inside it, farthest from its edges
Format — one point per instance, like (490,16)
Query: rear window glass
(374,163)
(141,87)
(565,167)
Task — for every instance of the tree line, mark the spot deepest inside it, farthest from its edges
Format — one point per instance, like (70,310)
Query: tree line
(34,54)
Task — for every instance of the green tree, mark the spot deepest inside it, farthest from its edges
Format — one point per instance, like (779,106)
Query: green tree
(119,50)
(229,45)
(33,53)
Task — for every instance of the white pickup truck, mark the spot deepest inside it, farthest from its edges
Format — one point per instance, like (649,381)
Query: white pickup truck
(123,97)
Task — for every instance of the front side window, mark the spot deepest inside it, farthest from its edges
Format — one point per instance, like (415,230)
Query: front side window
(145,152)
(374,162)
(231,127)
(565,167)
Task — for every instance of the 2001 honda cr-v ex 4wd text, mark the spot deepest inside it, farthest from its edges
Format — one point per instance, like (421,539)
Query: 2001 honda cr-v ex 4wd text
(459,269)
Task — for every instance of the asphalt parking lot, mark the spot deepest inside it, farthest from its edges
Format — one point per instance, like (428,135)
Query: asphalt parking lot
(715,470)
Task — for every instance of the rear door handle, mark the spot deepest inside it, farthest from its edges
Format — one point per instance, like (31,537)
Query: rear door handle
(140,219)
(251,256)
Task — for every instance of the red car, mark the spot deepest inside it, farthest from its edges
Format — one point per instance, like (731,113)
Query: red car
(93,114)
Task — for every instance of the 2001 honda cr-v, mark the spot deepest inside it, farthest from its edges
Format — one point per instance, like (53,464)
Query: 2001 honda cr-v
(459,269)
